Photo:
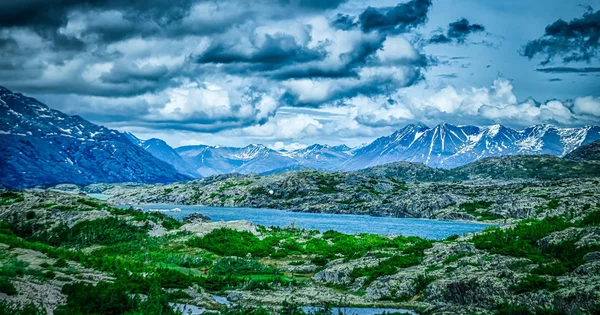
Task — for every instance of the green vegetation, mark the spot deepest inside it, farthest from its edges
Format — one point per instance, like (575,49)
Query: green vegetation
(326,183)
(510,309)
(385,268)
(454,258)
(104,231)
(475,209)
(229,184)
(7,287)
(91,203)
(148,272)
(112,298)
(533,282)
(520,241)
(10,197)
(7,308)
(283,243)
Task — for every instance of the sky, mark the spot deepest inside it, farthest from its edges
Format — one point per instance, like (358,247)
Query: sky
(290,73)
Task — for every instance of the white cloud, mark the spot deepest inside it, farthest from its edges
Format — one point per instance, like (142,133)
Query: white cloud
(587,106)
(296,127)
(474,105)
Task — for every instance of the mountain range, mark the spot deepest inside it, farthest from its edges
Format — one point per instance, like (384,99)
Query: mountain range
(444,146)
(44,146)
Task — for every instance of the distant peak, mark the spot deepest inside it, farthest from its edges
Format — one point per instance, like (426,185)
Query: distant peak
(255,146)
(418,125)
(317,146)
(342,147)
(493,130)
(444,126)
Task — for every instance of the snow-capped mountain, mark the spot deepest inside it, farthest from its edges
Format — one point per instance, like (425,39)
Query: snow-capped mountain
(319,156)
(161,150)
(39,145)
(444,146)
(258,159)
(209,160)
(450,146)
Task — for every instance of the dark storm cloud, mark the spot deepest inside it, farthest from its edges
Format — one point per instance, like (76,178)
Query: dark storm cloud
(42,14)
(440,39)
(568,70)
(344,22)
(457,32)
(124,72)
(314,4)
(276,49)
(577,40)
(460,29)
(372,86)
(127,62)
(400,18)
(352,61)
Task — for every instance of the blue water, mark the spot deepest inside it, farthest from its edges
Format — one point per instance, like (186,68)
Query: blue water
(346,223)
(357,311)
(99,196)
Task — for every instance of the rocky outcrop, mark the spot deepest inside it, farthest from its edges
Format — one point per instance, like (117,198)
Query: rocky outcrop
(203,228)
(196,217)
(337,271)
(398,286)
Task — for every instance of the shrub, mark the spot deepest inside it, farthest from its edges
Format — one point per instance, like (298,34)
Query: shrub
(91,203)
(10,197)
(7,287)
(551,269)
(61,263)
(453,258)
(422,281)
(105,231)
(170,278)
(386,267)
(237,243)
(178,295)
(533,282)
(111,298)
(49,274)
(239,266)
(8,308)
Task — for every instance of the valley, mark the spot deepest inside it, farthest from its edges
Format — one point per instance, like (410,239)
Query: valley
(89,257)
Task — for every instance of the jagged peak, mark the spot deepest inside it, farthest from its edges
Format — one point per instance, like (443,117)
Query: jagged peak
(341,147)
(254,146)
(315,146)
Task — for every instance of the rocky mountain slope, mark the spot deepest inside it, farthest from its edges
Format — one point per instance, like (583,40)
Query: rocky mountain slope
(587,153)
(450,146)
(39,145)
(161,150)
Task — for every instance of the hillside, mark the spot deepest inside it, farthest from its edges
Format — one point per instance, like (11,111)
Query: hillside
(92,258)
(42,146)
(506,187)
(586,153)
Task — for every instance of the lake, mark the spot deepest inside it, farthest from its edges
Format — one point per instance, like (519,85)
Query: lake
(346,223)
